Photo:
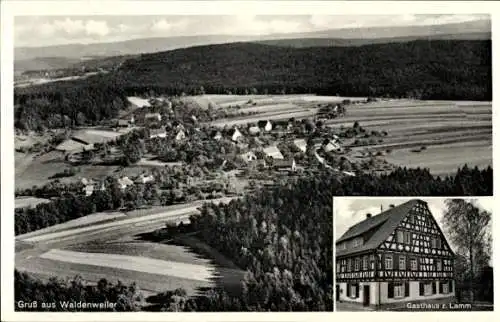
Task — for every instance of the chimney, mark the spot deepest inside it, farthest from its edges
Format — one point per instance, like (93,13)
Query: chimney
(381,208)
(368,215)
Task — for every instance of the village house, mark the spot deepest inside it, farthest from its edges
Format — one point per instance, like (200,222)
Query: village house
(248,156)
(301,144)
(253,130)
(273,152)
(152,117)
(122,123)
(287,164)
(399,255)
(144,179)
(216,135)
(235,134)
(124,182)
(330,145)
(265,125)
(181,135)
(157,133)
(88,189)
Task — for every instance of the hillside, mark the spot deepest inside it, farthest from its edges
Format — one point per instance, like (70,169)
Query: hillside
(345,37)
(342,42)
(441,69)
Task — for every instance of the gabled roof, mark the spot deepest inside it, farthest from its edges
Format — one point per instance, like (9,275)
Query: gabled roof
(273,152)
(384,223)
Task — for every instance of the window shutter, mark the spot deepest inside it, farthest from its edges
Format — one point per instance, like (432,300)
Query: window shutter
(421,289)
(440,288)
(407,289)
(357,290)
(390,290)
(433,287)
(348,290)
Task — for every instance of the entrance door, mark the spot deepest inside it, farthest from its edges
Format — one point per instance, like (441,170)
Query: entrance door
(366,295)
(337,293)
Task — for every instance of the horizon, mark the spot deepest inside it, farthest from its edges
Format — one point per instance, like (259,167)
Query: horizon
(48,31)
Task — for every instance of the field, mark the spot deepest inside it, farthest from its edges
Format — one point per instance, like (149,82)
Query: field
(31,171)
(453,133)
(22,202)
(116,251)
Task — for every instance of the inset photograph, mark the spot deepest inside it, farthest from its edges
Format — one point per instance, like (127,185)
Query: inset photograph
(408,254)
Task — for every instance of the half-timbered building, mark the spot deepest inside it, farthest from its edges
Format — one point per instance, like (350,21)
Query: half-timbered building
(398,255)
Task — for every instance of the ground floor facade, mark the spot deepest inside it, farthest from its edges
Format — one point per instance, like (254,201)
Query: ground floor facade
(375,293)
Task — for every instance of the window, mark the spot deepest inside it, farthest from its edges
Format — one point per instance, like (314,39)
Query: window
(338,267)
(399,290)
(438,265)
(438,243)
(365,263)
(356,242)
(400,236)
(413,263)
(343,246)
(356,264)
(407,237)
(372,262)
(349,265)
(434,242)
(353,290)
(402,262)
(444,287)
(388,261)
(428,288)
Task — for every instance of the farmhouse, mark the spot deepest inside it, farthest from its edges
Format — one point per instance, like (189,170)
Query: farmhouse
(399,255)
(265,125)
(152,117)
(273,152)
(301,144)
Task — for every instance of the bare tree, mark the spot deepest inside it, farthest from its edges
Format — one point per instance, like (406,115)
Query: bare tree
(468,229)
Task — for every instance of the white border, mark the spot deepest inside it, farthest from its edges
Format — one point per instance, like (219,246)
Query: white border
(9,9)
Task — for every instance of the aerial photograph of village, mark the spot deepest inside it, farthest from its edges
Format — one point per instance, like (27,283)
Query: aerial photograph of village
(188,163)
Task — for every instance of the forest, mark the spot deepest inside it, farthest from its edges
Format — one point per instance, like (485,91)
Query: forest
(438,69)
(67,104)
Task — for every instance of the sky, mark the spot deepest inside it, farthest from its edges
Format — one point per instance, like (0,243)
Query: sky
(36,31)
(349,211)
